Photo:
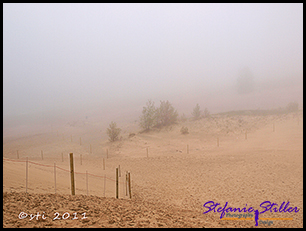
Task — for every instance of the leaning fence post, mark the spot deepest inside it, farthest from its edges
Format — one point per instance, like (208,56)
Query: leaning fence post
(72,174)
(117,182)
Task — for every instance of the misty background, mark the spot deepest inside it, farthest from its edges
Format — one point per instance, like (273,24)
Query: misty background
(62,60)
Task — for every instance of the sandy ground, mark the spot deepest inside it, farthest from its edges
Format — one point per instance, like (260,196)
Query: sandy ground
(169,186)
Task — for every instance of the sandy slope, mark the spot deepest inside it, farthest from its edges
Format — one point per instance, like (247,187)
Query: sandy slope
(169,186)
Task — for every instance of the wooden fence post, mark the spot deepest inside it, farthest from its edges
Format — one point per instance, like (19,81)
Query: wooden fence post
(103,164)
(27,175)
(17,154)
(126,183)
(54,177)
(72,174)
(42,155)
(104,183)
(87,182)
(122,191)
(117,182)
(129,180)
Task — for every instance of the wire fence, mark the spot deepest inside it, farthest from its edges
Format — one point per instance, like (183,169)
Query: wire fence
(124,192)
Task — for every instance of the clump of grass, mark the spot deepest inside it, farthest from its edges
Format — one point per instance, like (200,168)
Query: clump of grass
(184,130)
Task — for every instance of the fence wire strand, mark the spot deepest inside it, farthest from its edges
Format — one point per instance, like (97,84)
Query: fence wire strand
(45,165)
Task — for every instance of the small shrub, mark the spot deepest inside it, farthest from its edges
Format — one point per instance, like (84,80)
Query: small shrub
(148,117)
(184,130)
(113,132)
(153,117)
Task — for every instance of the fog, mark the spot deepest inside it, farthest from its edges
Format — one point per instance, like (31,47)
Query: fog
(64,59)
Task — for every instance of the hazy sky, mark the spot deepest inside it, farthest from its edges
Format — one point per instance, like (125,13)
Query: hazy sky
(59,56)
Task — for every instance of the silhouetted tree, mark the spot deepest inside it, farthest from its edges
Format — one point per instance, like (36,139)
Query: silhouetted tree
(196,112)
(206,113)
(183,118)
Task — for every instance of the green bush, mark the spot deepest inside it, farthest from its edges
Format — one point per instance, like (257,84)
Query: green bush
(157,117)
(166,114)
(148,117)
(113,132)
(184,130)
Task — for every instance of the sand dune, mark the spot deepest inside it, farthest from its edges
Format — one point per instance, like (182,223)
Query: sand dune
(169,187)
